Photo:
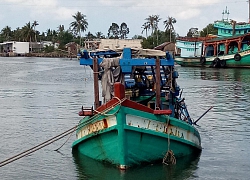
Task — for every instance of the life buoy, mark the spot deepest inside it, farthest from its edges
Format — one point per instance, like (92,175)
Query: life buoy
(202,60)
(216,62)
(237,57)
(223,63)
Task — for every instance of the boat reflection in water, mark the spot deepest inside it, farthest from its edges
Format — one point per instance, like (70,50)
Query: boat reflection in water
(88,168)
(227,74)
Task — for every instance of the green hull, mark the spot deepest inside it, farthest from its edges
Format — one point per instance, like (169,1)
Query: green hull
(134,137)
(229,61)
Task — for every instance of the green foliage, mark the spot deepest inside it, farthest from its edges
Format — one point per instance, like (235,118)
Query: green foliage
(147,43)
(124,30)
(49,49)
(163,36)
(62,36)
(66,37)
(137,37)
(209,29)
(115,31)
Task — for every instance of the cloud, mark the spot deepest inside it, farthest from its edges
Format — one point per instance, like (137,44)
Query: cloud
(188,13)
(101,13)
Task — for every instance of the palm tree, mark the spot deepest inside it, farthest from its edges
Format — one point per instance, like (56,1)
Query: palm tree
(6,33)
(90,36)
(152,23)
(60,28)
(99,35)
(28,32)
(34,24)
(17,34)
(169,25)
(80,24)
(156,21)
(145,27)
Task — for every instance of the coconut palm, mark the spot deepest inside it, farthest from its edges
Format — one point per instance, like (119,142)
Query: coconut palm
(150,23)
(99,35)
(156,21)
(145,28)
(17,34)
(27,32)
(34,24)
(90,36)
(60,28)
(80,24)
(6,33)
(169,25)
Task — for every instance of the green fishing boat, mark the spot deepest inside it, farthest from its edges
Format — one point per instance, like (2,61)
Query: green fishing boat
(142,117)
(229,48)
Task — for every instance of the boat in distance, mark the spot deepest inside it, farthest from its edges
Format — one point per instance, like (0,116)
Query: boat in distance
(230,47)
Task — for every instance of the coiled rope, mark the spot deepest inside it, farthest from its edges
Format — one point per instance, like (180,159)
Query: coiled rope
(169,157)
(60,136)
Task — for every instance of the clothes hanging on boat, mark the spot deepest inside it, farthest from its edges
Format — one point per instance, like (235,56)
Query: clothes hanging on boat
(112,73)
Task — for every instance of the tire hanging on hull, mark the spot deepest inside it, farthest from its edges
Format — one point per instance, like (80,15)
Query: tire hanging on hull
(202,60)
(223,63)
(237,57)
(216,63)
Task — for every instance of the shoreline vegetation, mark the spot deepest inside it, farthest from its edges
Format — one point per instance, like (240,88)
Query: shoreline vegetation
(55,54)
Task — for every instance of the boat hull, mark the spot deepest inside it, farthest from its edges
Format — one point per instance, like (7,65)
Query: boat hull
(225,61)
(132,137)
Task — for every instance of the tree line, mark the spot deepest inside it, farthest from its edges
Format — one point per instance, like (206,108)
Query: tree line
(79,25)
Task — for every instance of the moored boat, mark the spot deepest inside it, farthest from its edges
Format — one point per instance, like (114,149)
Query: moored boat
(229,48)
(142,118)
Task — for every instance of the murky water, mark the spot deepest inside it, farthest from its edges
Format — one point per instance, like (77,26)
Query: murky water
(40,98)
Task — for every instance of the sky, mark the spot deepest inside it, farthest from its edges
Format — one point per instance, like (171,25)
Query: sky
(100,14)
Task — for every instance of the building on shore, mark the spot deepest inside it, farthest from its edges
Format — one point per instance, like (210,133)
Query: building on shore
(106,44)
(14,48)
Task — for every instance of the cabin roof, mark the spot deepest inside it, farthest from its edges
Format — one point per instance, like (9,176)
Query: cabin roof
(225,38)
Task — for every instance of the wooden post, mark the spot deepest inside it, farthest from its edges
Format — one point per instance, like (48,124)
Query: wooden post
(157,82)
(239,44)
(226,47)
(96,84)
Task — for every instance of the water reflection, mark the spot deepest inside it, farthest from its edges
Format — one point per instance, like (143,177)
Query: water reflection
(88,168)
(230,74)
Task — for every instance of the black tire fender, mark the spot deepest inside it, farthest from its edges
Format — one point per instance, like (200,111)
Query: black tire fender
(223,63)
(237,57)
(202,60)
(216,62)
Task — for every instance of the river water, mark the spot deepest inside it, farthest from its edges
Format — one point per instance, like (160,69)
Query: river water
(41,97)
